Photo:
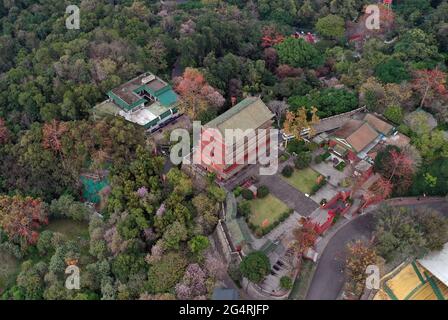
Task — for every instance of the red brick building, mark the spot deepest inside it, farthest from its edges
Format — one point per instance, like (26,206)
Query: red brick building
(251,113)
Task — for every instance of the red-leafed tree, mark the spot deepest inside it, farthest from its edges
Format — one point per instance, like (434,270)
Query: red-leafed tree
(431,84)
(396,166)
(4,132)
(21,217)
(285,71)
(305,237)
(196,94)
(52,133)
(378,191)
(271,37)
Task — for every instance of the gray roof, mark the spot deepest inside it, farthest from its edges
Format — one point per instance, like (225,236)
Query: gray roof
(250,113)
(225,294)
(335,122)
(437,263)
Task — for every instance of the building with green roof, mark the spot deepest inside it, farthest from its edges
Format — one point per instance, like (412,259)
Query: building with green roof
(145,100)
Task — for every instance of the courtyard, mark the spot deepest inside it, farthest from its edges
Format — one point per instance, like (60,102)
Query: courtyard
(303,180)
(266,211)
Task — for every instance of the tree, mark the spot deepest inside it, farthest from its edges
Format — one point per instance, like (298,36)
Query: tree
(244,208)
(396,166)
(163,275)
(262,191)
(331,26)
(44,243)
(302,160)
(296,123)
(278,108)
(193,284)
(392,70)
(52,134)
(4,132)
(431,84)
(403,232)
(196,94)
(255,266)
(247,194)
(287,171)
(359,257)
(174,234)
(286,283)
(21,217)
(432,179)
(66,206)
(180,182)
(330,101)
(198,244)
(305,237)
(298,53)
(417,46)
(394,114)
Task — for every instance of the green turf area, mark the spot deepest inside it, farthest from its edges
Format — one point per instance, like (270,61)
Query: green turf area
(269,208)
(9,267)
(71,229)
(303,281)
(303,180)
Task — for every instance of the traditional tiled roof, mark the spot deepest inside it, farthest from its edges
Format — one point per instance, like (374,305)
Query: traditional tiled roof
(348,128)
(380,125)
(335,122)
(362,137)
(250,113)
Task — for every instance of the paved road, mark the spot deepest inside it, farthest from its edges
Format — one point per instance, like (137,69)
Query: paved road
(329,277)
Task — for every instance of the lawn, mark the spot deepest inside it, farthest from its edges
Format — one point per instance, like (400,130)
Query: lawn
(266,211)
(303,281)
(72,230)
(9,266)
(303,180)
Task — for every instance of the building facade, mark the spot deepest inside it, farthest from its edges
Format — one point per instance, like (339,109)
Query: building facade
(235,153)
(145,100)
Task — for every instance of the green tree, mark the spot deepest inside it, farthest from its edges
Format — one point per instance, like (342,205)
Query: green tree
(394,114)
(286,282)
(298,53)
(255,266)
(174,234)
(392,71)
(163,275)
(198,244)
(331,26)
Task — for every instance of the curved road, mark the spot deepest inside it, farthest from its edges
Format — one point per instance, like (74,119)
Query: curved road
(329,276)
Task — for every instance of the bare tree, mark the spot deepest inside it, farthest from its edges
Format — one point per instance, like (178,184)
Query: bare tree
(278,108)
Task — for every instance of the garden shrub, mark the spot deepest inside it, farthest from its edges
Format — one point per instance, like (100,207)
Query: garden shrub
(302,160)
(237,191)
(284,157)
(286,282)
(244,208)
(287,171)
(262,192)
(247,194)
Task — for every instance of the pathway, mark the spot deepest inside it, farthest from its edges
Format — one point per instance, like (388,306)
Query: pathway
(328,279)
